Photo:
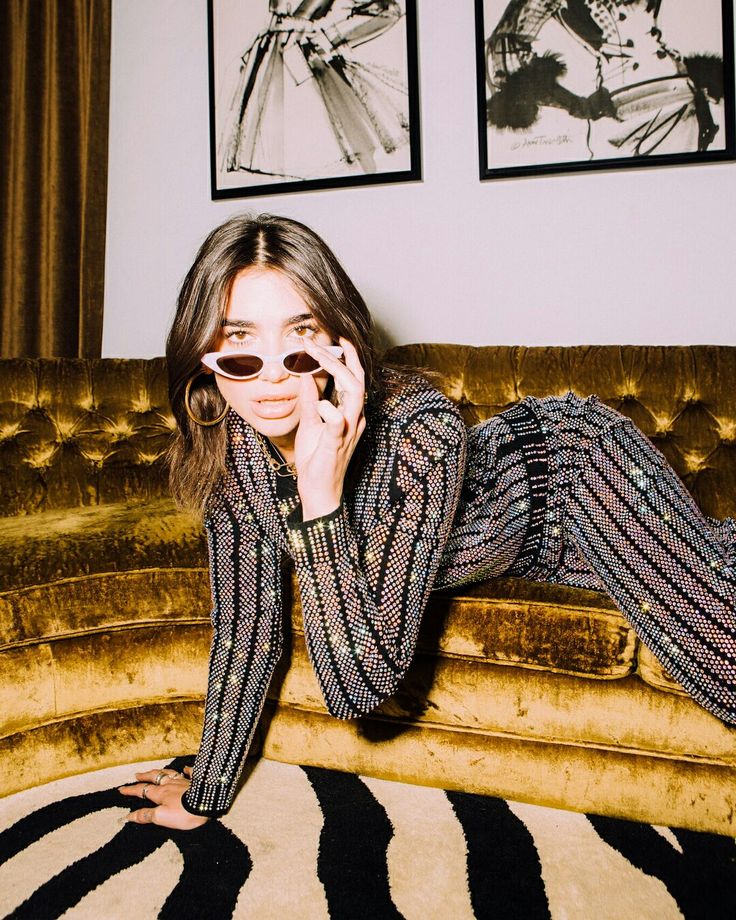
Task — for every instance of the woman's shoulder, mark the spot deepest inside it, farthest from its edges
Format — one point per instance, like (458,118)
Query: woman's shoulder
(406,391)
(411,401)
(412,427)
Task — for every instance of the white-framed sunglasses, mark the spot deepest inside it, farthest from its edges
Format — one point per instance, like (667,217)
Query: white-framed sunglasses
(244,365)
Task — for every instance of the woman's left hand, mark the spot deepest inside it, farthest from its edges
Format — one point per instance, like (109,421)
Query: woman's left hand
(163,791)
(328,435)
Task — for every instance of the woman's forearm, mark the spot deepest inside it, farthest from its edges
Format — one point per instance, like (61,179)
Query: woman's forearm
(363,600)
(246,645)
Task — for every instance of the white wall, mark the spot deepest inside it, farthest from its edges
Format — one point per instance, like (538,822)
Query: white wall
(634,256)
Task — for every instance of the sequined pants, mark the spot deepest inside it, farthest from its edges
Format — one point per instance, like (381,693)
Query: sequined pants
(614,516)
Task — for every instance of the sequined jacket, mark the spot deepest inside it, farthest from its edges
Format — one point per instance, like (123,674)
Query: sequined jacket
(364,572)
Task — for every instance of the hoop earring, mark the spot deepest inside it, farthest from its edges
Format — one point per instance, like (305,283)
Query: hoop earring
(198,421)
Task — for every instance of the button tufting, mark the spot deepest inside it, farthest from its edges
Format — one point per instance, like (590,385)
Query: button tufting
(65,424)
(66,431)
(42,458)
(8,432)
(95,457)
(148,458)
(120,430)
(694,461)
(726,430)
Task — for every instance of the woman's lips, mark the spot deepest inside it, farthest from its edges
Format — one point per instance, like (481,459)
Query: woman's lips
(274,408)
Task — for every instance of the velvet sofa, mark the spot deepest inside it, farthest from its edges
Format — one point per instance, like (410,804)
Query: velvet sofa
(536,692)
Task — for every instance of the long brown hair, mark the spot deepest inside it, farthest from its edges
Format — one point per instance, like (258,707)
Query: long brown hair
(197,454)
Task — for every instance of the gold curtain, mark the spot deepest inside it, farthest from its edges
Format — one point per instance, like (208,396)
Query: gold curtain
(54,100)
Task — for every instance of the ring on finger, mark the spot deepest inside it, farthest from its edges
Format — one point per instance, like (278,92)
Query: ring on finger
(144,792)
(159,776)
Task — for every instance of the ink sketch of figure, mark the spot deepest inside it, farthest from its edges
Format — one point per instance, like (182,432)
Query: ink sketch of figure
(602,78)
(320,91)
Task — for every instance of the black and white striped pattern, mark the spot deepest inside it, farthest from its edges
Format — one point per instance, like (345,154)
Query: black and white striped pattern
(303,842)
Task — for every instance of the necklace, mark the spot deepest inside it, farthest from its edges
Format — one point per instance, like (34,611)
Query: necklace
(281,467)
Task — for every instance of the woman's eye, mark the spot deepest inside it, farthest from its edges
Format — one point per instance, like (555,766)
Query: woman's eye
(237,336)
(305,331)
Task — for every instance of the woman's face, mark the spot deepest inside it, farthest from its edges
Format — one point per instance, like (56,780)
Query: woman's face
(267,314)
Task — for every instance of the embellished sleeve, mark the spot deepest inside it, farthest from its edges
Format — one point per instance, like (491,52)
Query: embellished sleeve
(363,594)
(246,645)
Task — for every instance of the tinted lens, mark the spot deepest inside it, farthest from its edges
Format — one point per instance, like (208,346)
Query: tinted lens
(299,362)
(241,365)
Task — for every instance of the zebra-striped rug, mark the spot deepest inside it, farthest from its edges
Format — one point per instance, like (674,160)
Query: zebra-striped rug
(303,842)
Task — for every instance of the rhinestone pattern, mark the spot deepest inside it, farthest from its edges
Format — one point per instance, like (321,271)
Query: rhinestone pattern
(560,489)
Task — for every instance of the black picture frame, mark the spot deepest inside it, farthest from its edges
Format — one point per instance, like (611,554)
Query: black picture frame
(327,101)
(539,113)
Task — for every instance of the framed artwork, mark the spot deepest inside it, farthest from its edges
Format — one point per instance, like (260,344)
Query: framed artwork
(312,95)
(566,85)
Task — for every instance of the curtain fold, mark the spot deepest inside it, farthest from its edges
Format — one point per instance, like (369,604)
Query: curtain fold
(54,105)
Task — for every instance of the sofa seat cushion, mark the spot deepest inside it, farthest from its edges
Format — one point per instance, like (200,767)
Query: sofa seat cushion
(42,548)
(103,641)
(517,622)
(50,559)
(107,639)
(103,602)
(470,695)
(59,680)
(511,621)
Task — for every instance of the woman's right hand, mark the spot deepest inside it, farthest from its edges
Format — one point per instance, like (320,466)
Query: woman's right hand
(163,789)
(328,435)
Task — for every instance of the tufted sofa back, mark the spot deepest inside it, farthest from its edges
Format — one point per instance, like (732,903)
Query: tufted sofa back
(77,432)
(81,432)
(682,397)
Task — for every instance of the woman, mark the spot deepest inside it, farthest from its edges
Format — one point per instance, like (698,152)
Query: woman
(292,436)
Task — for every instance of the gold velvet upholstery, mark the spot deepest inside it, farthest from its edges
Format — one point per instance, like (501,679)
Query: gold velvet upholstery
(537,692)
